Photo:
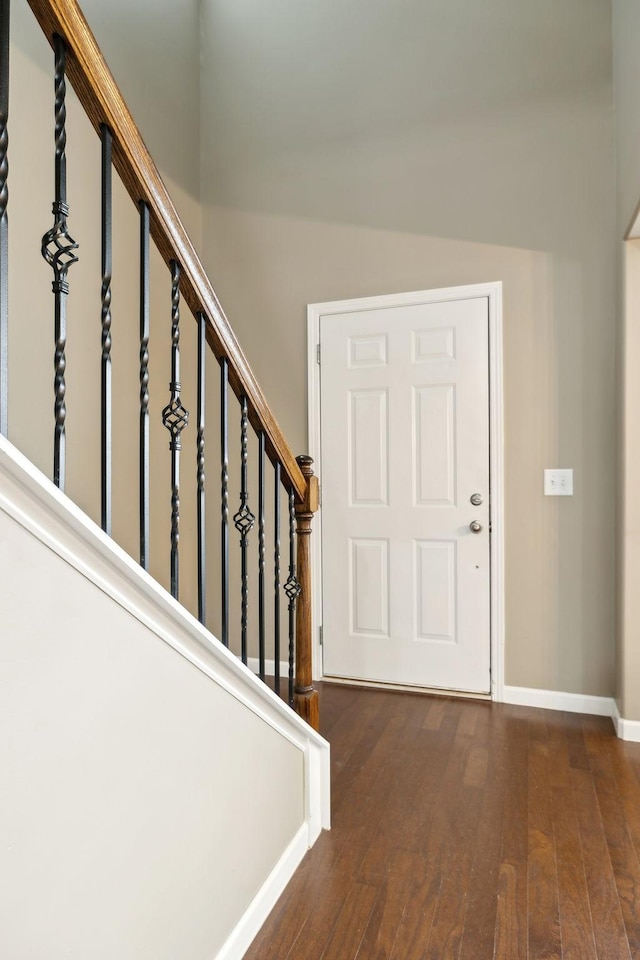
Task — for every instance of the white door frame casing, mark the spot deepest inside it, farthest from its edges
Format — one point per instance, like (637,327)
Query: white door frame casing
(493,293)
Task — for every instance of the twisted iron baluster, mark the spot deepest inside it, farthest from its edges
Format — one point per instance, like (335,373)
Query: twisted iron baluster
(276,582)
(58,248)
(105,386)
(261,554)
(292,589)
(175,418)
(144,385)
(200,477)
(224,500)
(4,220)
(244,520)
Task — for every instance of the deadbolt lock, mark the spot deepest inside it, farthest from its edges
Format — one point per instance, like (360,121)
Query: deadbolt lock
(476,499)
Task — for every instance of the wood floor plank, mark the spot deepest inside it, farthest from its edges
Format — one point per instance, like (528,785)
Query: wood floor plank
(469,718)
(435,714)
(406,803)
(475,772)
(604,903)
(415,927)
(578,942)
(353,918)
(478,935)
(445,937)
(558,750)
(467,830)
(354,725)
(542,871)
(628,789)
(574,734)
(445,799)
(511,926)
(388,911)
(435,751)
(566,751)
(626,869)
(511,931)
(462,827)
(368,764)
(632,757)
(379,798)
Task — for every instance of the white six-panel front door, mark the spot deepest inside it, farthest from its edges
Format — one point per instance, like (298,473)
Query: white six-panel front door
(405,446)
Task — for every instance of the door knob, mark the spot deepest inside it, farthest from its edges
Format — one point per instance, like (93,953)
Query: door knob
(475,526)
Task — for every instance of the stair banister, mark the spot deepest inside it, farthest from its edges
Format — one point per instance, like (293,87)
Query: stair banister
(306,697)
(64,24)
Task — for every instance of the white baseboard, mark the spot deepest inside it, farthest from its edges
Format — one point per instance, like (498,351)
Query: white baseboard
(557,700)
(575,703)
(269,666)
(626,729)
(264,901)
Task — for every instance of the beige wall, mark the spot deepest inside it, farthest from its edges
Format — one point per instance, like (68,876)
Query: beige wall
(628,692)
(418,146)
(626,39)
(152,48)
(626,77)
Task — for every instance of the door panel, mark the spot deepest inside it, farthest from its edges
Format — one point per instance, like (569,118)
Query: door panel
(368,447)
(435,590)
(434,443)
(405,443)
(369,587)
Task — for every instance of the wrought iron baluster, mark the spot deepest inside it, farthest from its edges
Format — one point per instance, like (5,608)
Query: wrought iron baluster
(144,385)
(58,248)
(175,418)
(261,553)
(244,520)
(105,395)
(224,498)
(202,562)
(276,582)
(4,219)
(292,590)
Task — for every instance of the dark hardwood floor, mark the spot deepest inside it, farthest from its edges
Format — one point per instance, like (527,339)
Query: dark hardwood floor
(466,830)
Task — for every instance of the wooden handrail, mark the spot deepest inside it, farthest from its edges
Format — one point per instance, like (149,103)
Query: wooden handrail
(103,103)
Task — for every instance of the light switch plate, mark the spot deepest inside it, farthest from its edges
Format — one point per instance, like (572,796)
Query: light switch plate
(558,483)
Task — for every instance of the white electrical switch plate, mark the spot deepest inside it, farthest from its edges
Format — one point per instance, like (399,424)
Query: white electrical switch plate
(558,483)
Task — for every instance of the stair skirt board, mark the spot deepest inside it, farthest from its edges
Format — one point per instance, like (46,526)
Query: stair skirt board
(32,500)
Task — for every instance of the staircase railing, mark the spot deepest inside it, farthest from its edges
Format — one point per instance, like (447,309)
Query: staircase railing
(78,58)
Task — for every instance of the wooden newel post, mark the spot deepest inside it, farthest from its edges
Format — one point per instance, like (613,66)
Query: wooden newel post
(305,694)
